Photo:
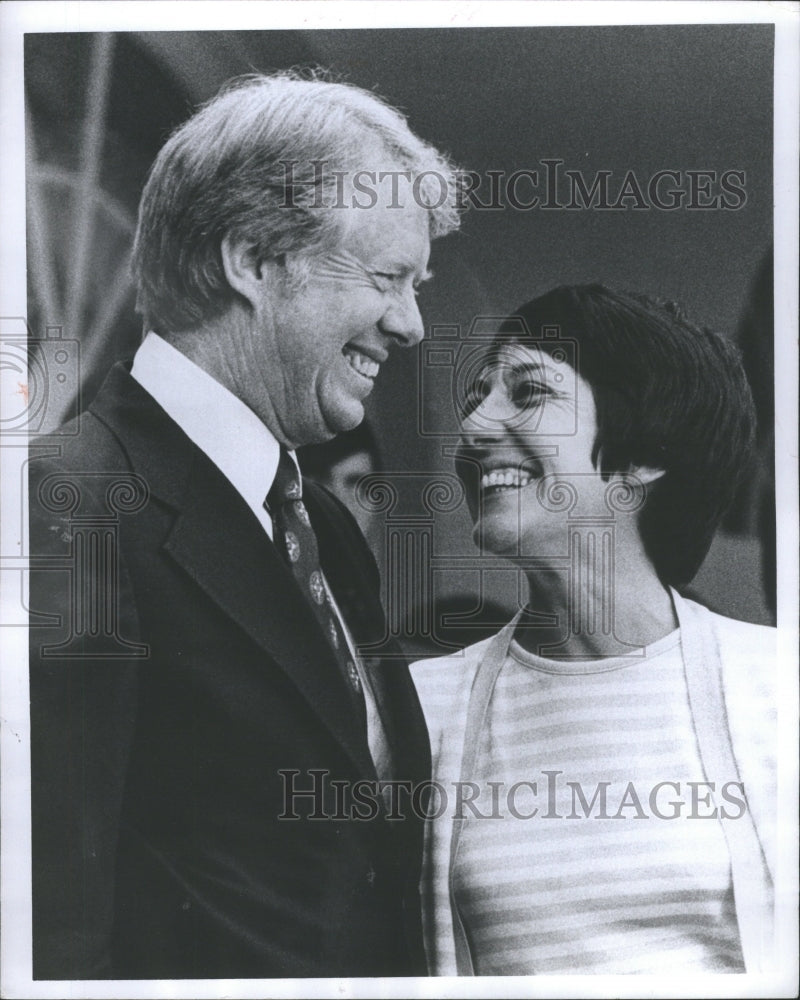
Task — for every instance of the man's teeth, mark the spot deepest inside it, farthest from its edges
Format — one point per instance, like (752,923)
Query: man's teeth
(509,478)
(363,365)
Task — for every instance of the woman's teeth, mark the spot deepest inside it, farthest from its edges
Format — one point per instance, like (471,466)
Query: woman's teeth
(361,363)
(508,479)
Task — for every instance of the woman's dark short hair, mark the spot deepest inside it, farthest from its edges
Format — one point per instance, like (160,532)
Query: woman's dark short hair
(260,162)
(669,395)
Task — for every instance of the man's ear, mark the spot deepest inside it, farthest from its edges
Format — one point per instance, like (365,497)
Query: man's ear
(245,273)
(647,474)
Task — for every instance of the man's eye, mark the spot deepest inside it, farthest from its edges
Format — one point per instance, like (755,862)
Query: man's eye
(388,280)
(386,277)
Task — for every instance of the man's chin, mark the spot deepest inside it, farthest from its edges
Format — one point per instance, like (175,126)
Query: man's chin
(343,418)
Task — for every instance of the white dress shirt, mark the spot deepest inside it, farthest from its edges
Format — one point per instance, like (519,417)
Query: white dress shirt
(212,417)
(246,453)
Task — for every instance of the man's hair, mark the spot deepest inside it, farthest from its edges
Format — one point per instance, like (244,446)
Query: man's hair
(669,395)
(258,162)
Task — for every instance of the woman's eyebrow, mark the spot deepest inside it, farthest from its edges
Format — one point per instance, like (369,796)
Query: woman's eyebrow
(530,368)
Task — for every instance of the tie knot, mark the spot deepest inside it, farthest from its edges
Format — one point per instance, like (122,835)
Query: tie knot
(286,485)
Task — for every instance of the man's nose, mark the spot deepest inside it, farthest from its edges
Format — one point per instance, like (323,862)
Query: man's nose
(402,320)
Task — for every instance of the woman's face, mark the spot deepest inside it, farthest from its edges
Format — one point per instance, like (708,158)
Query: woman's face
(530,425)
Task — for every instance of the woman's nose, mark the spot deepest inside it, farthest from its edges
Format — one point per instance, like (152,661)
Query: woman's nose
(487,422)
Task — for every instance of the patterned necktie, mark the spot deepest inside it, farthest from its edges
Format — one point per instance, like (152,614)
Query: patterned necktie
(297,543)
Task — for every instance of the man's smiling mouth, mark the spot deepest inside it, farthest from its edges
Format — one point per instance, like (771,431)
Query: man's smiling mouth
(360,363)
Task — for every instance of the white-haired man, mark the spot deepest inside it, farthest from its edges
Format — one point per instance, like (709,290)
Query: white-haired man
(194,758)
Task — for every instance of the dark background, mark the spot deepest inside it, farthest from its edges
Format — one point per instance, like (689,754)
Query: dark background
(602,98)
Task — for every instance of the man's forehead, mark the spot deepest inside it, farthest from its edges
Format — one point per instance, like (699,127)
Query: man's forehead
(401,233)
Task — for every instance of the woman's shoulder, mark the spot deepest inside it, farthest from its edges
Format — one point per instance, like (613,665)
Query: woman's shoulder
(750,680)
(739,638)
(450,671)
(748,658)
(443,684)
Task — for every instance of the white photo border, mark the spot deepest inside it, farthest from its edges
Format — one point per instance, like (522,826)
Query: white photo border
(17,18)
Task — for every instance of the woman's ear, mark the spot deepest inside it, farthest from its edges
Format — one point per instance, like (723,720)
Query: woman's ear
(245,273)
(647,474)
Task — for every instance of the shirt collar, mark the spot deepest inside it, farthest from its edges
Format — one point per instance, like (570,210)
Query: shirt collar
(220,424)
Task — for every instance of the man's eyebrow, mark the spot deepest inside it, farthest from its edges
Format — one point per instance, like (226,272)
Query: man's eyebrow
(405,265)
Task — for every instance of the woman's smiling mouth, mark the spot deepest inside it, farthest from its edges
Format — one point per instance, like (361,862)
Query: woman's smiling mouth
(510,477)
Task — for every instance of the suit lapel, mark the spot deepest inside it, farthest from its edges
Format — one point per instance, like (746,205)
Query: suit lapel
(218,541)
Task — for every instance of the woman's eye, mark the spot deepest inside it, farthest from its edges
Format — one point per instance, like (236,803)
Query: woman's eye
(475,396)
(525,394)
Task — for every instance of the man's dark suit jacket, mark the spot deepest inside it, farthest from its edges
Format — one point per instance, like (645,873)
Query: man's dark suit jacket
(158,847)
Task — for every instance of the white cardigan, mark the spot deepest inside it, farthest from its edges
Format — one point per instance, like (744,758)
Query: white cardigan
(731,676)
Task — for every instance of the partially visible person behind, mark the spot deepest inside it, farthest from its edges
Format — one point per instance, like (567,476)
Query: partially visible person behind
(613,743)
(339,465)
(755,335)
(738,575)
(196,607)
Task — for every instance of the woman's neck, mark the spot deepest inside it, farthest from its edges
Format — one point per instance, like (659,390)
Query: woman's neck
(595,610)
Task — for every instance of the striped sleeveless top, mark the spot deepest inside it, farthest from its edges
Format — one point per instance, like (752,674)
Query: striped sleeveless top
(590,843)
